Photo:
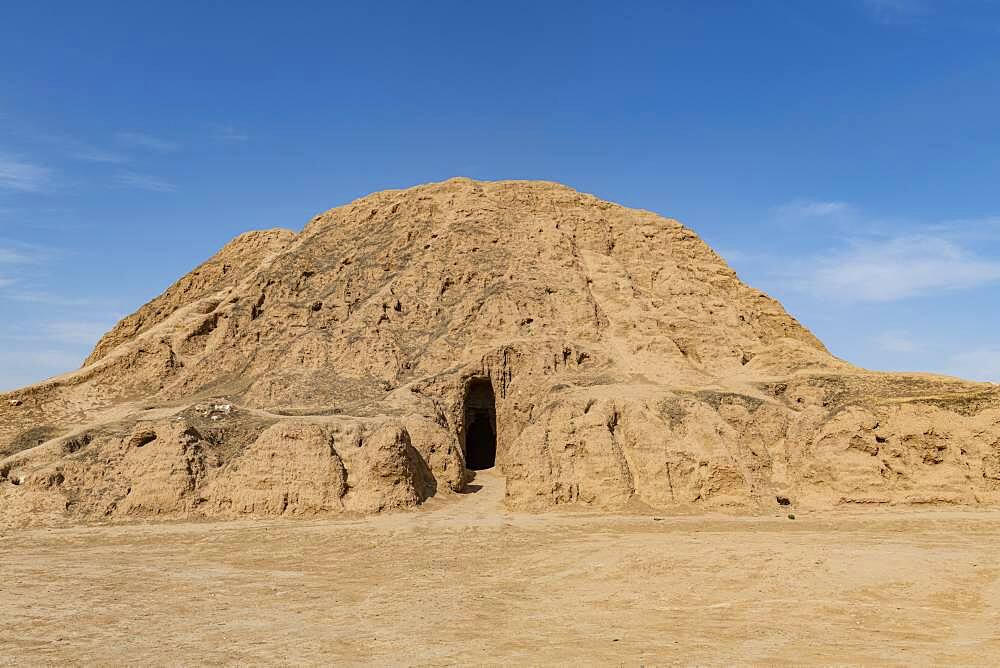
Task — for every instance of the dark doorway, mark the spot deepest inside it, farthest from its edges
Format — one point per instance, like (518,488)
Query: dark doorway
(480,425)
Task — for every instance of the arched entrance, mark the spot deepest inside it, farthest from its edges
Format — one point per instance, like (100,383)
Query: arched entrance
(480,425)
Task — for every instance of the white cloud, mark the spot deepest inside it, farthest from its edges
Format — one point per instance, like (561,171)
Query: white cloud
(48,299)
(12,256)
(229,134)
(731,255)
(15,174)
(90,154)
(812,209)
(981,364)
(895,5)
(896,268)
(31,351)
(969,229)
(145,182)
(76,331)
(23,367)
(145,141)
(872,259)
(21,253)
(76,149)
(897,342)
(889,11)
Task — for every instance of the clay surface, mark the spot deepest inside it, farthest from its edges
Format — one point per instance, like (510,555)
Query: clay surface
(462,581)
(326,372)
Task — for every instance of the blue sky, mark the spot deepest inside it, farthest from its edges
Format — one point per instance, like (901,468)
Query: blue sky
(843,155)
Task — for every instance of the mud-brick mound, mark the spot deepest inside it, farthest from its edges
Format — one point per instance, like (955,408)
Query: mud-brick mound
(170,469)
(601,356)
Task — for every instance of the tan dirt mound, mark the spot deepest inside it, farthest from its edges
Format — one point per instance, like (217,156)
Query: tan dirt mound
(605,357)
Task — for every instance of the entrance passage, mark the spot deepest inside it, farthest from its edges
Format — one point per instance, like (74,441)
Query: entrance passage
(480,425)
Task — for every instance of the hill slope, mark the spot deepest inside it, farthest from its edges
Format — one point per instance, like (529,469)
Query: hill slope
(616,360)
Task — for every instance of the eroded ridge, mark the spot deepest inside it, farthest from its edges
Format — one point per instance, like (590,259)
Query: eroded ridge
(629,367)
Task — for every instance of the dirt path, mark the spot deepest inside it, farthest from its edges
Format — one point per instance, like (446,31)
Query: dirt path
(464,581)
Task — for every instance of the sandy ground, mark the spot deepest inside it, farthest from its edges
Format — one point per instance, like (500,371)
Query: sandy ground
(463,581)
